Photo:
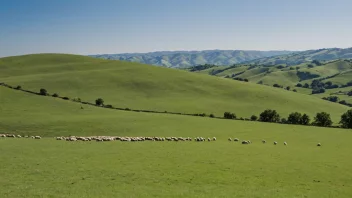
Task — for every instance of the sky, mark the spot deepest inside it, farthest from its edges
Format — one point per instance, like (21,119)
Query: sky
(128,26)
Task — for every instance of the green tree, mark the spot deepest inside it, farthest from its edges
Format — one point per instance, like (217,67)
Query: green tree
(269,116)
(346,120)
(43,92)
(99,102)
(229,115)
(294,118)
(305,120)
(322,119)
(254,118)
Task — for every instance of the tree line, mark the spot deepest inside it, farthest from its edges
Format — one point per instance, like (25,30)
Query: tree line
(321,119)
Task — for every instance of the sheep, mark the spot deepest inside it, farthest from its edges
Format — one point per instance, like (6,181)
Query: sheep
(275,143)
(263,141)
(249,142)
(230,139)
(209,139)
(285,143)
(19,136)
(319,144)
(37,137)
(214,138)
(236,140)
(2,135)
(245,142)
(58,138)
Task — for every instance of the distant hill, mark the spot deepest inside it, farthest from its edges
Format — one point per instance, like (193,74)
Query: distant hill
(181,59)
(305,56)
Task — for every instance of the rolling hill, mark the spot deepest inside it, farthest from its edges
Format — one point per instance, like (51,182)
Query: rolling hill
(138,86)
(305,56)
(180,59)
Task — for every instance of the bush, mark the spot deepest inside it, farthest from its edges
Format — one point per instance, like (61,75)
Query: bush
(295,90)
(310,66)
(77,100)
(306,85)
(269,116)
(322,119)
(99,102)
(288,88)
(283,121)
(299,85)
(108,106)
(18,87)
(294,118)
(212,115)
(346,120)
(228,115)
(43,92)
(318,91)
(65,98)
(55,95)
(254,118)
(349,93)
(277,85)
(332,98)
(305,120)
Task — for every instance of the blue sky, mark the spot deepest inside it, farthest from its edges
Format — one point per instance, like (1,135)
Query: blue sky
(118,26)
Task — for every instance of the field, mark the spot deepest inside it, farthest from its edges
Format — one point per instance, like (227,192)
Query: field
(51,168)
(137,86)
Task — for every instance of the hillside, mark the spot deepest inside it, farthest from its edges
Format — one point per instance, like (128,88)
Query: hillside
(305,56)
(180,59)
(138,86)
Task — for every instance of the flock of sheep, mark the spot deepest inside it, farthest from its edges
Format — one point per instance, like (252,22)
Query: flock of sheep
(134,139)
(18,136)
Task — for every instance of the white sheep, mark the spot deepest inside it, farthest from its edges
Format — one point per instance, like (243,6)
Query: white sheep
(245,142)
(214,138)
(263,141)
(318,144)
(37,137)
(285,143)
(275,143)
(236,140)
(230,139)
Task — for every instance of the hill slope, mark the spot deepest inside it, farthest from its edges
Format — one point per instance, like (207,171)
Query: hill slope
(181,59)
(138,86)
(305,56)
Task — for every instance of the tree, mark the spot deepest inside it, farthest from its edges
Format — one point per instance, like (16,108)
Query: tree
(295,90)
(254,118)
(18,87)
(43,92)
(349,93)
(346,120)
(305,120)
(294,118)
(288,88)
(212,115)
(306,85)
(283,121)
(269,116)
(99,102)
(322,119)
(229,115)
(310,66)
(55,95)
(299,85)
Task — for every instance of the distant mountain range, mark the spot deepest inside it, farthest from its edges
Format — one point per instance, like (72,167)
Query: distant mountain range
(297,58)
(182,59)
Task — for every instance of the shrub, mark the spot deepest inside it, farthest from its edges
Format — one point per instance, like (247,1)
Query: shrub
(283,121)
(306,85)
(229,115)
(288,88)
(346,120)
(65,98)
(212,115)
(254,118)
(245,80)
(295,90)
(18,87)
(318,91)
(310,66)
(299,85)
(43,92)
(55,95)
(108,106)
(294,118)
(349,93)
(99,102)
(322,119)
(332,98)
(269,116)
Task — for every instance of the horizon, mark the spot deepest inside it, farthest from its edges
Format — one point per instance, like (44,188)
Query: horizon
(110,27)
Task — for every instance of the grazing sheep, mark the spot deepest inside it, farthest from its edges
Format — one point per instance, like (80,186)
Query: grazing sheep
(58,138)
(249,142)
(37,137)
(245,142)
(2,135)
(209,139)
(263,141)
(318,144)
(285,143)
(214,138)
(19,136)
(32,137)
(230,139)
(236,140)
(275,143)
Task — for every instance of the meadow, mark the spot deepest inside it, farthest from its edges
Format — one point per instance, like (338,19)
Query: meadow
(51,168)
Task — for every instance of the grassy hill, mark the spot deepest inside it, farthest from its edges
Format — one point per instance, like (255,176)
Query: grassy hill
(180,59)
(138,86)
(305,56)
(160,169)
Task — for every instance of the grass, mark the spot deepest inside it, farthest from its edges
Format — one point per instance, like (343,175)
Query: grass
(50,168)
(139,86)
